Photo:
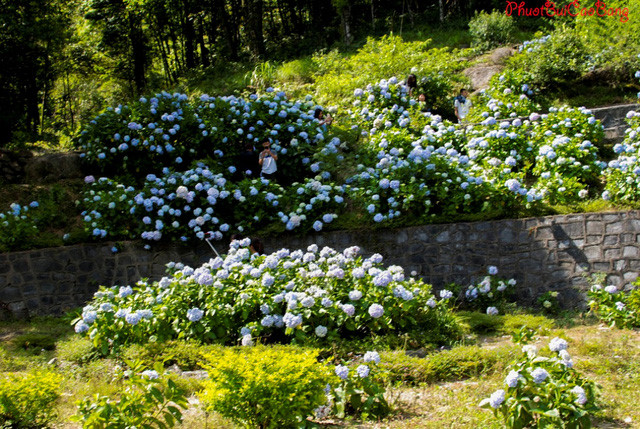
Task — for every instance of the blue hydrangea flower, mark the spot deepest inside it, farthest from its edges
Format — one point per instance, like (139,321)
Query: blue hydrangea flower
(376,310)
(363,371)
(372,357)
(497,398)
(539,375)
(321,331)
(194,314)
(342,371)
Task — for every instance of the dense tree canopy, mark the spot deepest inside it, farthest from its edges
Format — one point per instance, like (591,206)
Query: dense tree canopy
(56,55)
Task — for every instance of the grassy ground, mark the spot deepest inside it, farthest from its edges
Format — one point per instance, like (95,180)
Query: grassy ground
(441,390)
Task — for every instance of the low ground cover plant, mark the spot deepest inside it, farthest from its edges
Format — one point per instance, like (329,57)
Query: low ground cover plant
(147,399)
(28,399)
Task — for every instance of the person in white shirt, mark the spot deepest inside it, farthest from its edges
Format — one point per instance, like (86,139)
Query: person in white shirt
(267,160)
(462,104)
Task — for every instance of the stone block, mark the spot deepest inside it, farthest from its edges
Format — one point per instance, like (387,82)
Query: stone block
(634,265)
(592,252)
(630,252)
(574,230)
(611,240)
(595,227)
(613,228)
(543,233)
(443,237)
(601,266)
(10,294)
(507,235)
(627,238)
(594,239)
(612,253)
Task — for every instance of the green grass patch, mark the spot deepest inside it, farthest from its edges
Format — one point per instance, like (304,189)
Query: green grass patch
(448,365)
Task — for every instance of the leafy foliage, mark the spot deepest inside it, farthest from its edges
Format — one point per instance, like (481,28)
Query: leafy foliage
(544,391)
(490,30)
(27,400)
(148,399)
(266,387)
(615,307)
(304,297)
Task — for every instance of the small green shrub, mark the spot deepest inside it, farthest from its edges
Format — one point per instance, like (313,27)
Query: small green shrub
(76,349)
(481,323)
(490,30)
(187,355)
(616,307)
(27,400)
(515,322)
(265,387)
(448,365)
(359,392)
(148,399)
(555,59)
(549,303)
(299,71)
(34,342)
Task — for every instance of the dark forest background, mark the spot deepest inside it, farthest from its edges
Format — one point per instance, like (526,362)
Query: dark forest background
(62,61)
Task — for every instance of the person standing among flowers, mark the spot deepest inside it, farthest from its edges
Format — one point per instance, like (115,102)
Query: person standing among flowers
(322,121)
(461,105)
(412,83)
(267,160)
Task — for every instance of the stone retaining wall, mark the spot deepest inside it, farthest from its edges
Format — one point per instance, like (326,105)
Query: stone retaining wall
(548,253)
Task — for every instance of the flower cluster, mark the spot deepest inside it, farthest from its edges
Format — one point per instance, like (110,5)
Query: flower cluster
(302,296)
(358,391)
(491,294)
(545,391)
(199,203)
(172,130)
(616,307)
(18,225)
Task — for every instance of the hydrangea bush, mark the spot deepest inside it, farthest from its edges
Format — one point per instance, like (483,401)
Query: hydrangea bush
(359,390)
(199,203)
(490,295)
(18,225)
(616,307)
(544,391)
(623,173)
(171,130)
(306,297)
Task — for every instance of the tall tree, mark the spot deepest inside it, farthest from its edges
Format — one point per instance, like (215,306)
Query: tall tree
(32,33)
(121,24)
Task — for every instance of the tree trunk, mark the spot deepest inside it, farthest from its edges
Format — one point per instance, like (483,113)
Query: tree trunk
(346,15)
(139,53)
(204,52)
(228,23)
(253,15)
(188,32)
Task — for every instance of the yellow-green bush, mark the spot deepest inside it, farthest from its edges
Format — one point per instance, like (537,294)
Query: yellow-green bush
(490,30)
(512,323)
(27,400)
(337,76)
(266,387)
